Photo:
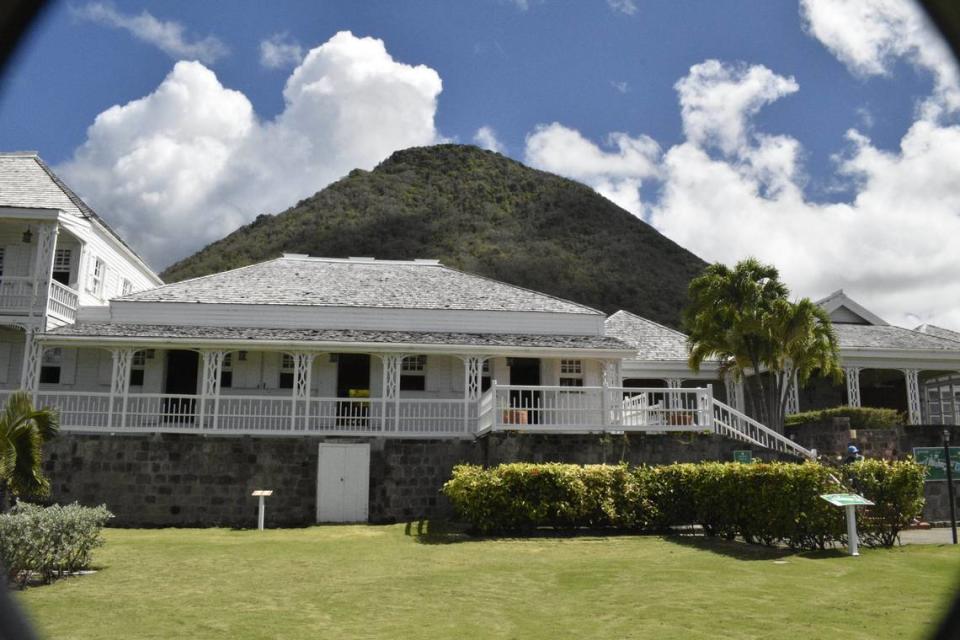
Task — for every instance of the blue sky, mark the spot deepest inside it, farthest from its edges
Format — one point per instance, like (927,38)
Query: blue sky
(801,123)
(502,66)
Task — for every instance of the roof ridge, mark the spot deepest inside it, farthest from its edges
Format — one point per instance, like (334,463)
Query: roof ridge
(209,275)
(516,286)
(648,320)
(86,210)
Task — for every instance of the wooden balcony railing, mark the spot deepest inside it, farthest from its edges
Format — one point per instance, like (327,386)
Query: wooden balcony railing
(62,301)
(16,297)
(544,409)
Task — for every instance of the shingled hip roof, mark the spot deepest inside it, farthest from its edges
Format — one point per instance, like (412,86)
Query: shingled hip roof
(117,331)
(27,182)
(653,341)
(304,281)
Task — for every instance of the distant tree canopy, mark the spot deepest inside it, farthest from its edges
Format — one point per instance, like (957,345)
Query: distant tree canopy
(743,317)
(481,212)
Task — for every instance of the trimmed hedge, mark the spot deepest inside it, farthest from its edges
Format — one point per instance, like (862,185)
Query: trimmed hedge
(860,417)
(47,542)
(764,503)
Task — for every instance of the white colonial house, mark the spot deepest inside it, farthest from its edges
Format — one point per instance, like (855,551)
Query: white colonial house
(358,347)
(56,255)
(916,371)
(912,370)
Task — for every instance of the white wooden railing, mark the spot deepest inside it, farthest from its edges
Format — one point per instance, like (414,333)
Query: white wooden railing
(573,409)
(543,409)
(16,294)
(62,301)
(735,424)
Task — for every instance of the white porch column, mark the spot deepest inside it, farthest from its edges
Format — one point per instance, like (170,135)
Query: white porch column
(211,369)
(674,383)
(913,395)
(852,375)
(43,270)
(472,385)
(793,398)
(391,387)
(302,378)
(32,362)
(612,376)
(120,384)
(734,391)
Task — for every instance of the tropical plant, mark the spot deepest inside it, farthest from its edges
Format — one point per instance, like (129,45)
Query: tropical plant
(744,318)
(23,430)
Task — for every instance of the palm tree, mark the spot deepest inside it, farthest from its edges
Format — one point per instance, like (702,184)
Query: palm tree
(23,430)
(743,317)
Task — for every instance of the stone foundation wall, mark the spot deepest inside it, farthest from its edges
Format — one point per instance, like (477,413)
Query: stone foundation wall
(832,437)
(189,480)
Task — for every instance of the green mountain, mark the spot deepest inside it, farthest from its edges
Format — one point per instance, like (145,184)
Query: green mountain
(480,212)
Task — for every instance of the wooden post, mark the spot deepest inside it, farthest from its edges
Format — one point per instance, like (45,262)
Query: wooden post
(913,395)
(472,384)
(120,384)
(211,369)
(392,364)
(852,375)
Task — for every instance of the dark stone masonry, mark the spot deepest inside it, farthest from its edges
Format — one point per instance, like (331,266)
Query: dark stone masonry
(831,438)
(190,480)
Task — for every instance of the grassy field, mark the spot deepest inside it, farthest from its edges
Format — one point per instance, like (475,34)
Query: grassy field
(389,582)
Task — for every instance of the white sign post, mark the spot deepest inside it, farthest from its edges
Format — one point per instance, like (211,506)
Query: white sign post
(849,502)
(261,494)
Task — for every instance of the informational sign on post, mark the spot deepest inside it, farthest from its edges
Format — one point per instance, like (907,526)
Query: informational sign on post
(934,459)
(743,455)
(849,502)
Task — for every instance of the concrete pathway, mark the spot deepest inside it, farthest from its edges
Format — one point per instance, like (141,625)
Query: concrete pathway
(937,535)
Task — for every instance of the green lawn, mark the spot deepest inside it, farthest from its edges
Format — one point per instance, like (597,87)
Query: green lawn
(386,582)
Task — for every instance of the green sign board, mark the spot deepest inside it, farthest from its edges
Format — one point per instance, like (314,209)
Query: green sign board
(743,455)
(932,458)
(845,499)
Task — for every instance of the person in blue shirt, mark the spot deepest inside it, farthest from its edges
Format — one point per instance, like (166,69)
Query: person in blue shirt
(853,455)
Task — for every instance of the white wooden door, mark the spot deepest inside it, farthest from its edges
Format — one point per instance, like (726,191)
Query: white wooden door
(343,482)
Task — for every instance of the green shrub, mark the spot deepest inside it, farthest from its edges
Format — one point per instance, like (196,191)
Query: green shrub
(860,417)
(765,503)
(896,488)
(49,541)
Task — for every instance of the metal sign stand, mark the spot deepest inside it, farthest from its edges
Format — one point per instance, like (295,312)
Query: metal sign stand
(853,543)
(261,494)
(849,502)
(949,470)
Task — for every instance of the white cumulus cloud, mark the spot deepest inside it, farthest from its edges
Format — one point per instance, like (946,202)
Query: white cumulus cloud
(729,191)
(616,170)
(168,36)
(486,138)
(629,7)
(280,50)
(869,35)
(190,162)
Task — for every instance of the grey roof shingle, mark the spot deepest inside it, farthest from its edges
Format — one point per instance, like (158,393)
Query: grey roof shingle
(890,337)
(240,334)
(939,332)
(304,281)
(652,341)
(27,182)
